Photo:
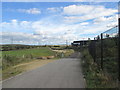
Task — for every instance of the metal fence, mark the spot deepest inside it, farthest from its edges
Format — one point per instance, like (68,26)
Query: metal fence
(104,50)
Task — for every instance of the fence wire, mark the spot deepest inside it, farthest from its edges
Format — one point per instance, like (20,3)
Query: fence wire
(104,50)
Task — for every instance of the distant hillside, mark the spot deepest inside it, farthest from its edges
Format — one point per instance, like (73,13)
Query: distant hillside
(8,47)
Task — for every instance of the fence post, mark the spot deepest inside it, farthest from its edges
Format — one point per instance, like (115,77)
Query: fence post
(101,51)
(119,49)
(94,50)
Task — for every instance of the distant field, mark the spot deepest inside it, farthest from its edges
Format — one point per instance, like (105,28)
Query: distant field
(35,52)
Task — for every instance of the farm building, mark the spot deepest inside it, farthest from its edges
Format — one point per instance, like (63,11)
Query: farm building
(81,43)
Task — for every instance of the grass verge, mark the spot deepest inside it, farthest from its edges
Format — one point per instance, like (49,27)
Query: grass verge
(95,77)
(12,58)
(17,69)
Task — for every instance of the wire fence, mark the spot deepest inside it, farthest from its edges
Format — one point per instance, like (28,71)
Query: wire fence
(104,50)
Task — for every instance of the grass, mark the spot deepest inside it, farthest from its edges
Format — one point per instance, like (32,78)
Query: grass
(95,77)
(69,52)
(18,61)
(7,73)
(11,58)
(66,52)
(35,52)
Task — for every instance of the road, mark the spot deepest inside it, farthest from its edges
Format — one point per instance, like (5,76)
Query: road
(63,73)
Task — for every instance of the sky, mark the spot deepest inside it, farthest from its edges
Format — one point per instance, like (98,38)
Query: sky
(54,23)
(60,0)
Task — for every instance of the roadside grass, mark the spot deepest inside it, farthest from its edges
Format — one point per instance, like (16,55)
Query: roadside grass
(94,76)
(11,58)
(9,72)
(65,52)
(69,52)
(17,69)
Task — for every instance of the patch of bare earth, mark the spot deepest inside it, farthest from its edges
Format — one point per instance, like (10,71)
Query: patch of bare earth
(34,64)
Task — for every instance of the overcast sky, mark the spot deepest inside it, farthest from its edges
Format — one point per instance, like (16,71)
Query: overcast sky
(55,22)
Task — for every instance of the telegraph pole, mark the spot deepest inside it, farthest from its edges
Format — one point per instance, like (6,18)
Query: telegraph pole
(66,42)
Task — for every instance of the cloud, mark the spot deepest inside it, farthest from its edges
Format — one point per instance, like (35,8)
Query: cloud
(43,32)
(24,32)
(53,9)
(30,11)
(17,26)
(79,13)
(79,0)
(84,23)
(103,19)
(72,22)
(110,22)
(26,38)
(19,38)
(77,10)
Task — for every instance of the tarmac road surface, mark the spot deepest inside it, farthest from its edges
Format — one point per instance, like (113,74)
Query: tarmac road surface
(63,73)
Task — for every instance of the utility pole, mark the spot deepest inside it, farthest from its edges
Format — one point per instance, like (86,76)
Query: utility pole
(66,43)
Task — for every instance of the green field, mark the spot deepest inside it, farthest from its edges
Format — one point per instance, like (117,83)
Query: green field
(35,52)
(14,57)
